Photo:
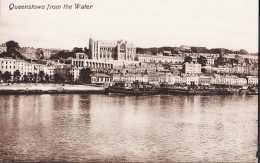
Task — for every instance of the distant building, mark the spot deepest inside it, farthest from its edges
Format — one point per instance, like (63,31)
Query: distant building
(190,79)
(184,47)
(210,60)
(3,48)
(192,68)
(47,53)
(204,80)
(130,77)
(153,78)
(252,80)
(63,70)
(112,50)
(82,61)
(159,59)
(100,78)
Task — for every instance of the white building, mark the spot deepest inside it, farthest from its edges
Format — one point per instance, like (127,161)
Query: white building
(130,77)
(252,80)
(159,59)
(101,79)
(192,68)
(3,48)
(210,60)
(11,65)
(81,61)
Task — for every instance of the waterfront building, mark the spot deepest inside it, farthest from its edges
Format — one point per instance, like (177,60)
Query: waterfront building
(204,80)
(192,68)
(63,70)
(162,77)
(240,81)
(75,71)
(190,79)
(230,80)
(112,50)
(24,67)
(51,72)
(101,78)
(3,48)
(153,78)
(130,77)
(10,65)
(171,78)
(252,80)
(178,79)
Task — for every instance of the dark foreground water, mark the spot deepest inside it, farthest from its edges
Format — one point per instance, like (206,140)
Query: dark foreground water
(160,128)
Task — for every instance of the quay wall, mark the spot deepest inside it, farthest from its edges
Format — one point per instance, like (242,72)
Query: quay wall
(48,89)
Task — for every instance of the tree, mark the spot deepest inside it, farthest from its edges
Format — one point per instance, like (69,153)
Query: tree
(12,46)
(202,60)
(70,78)
(199,50)
(17,75)
(243,51)
(63,55)
(30,76)
(35,77)
(4,54)
(56,78)
(84,75)
(219,61)
(6,76)
(25,78)
(188,59)
(47,78)
(13,49)
(41,75)
(77,50)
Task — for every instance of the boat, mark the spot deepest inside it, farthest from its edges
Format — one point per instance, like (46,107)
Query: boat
(136,90)
(252,93)
(227,91)
(177,91)
(191,91)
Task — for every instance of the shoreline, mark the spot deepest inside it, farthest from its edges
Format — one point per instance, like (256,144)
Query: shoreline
(51,88)
(35,88)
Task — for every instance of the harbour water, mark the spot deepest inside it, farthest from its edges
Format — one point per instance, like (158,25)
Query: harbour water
(160,128)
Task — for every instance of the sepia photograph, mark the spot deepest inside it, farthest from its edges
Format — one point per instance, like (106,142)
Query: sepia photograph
(129,80)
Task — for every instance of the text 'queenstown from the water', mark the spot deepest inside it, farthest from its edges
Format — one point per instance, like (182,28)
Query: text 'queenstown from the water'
(76,6)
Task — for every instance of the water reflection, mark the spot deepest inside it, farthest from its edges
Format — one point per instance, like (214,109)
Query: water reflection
(157,128)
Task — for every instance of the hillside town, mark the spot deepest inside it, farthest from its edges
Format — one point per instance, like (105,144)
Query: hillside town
(109,62)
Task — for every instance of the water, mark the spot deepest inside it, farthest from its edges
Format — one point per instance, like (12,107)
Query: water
(161,128)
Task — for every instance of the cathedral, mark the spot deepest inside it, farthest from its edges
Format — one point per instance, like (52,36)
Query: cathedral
(111,50)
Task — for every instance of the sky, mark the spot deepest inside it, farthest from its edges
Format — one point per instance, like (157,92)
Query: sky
(231,24)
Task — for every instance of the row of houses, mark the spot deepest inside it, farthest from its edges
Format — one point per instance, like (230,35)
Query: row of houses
(169,78)
(24,67)
(238,69)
